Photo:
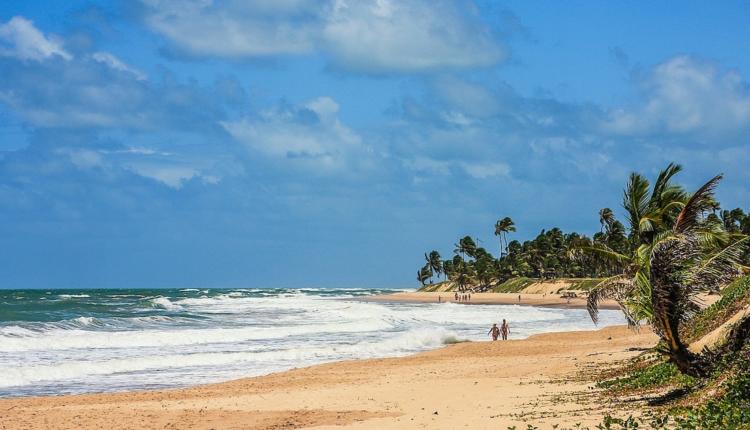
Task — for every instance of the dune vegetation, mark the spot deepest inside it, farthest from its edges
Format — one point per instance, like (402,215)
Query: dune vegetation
(716,399)
(554,254)
(674,247)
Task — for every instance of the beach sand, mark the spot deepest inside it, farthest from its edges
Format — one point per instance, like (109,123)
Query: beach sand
(473,385)
(541,300)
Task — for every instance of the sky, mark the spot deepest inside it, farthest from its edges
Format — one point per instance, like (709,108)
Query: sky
(295,143)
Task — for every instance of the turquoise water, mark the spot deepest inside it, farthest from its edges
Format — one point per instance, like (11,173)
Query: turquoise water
(75,341)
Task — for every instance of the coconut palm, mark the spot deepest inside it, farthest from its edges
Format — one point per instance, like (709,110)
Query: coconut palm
(662,278)
(502,228)
(651,213)
(424,274)
(606,218)
(465,246)
(434,261)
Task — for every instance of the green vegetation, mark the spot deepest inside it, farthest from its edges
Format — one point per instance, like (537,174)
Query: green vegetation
(734,297)
(730,411)
(514,285)
(721,400)
(550,255)
(673,246)
(673,253)
(657,374)
(584,284)
(614,251)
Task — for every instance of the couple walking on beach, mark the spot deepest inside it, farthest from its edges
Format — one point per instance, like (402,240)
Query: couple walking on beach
(503,330)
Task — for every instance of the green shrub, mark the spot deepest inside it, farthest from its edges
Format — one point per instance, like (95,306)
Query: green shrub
(734,297)
(656,375)
(514,285)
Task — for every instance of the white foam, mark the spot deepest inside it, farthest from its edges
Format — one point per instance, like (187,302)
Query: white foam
(262,360)
(235,334)
(165,303)
(84,320)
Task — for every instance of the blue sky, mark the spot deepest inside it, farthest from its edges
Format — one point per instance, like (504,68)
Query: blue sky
(291,143)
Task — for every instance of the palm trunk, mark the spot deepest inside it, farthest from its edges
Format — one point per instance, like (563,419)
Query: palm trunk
(688,362)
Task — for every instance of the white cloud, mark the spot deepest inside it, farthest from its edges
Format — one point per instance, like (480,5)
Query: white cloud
(387,35)
(475,100)
(486,170)
(234,28)
(116,64)
(171,176)
(685,95)
(309,135)
(20,39)
(373,36)
(428,165)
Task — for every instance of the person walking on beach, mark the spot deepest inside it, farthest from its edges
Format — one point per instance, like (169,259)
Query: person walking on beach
(505,329)
(494,331)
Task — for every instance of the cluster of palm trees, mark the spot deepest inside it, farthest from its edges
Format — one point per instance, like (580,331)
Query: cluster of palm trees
(676,247)
(550,254)
(672,246)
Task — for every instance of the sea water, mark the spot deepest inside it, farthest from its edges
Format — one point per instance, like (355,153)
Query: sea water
(76,341)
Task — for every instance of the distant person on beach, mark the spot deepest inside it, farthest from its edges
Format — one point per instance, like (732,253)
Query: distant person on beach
(455,295)
(494,331)
(439,299)
(519,298)
(505,330)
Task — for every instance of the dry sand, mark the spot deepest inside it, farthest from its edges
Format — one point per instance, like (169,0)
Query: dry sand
(478,385)
(542,300)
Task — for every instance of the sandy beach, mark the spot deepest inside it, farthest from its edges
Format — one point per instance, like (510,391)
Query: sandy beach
(526,299)
(474,385)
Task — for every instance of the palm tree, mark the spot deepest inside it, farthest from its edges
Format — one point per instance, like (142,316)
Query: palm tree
(650,214)
(465,246)
(606,218)
(662,278)
(502,228)
(424,274)
(434,261)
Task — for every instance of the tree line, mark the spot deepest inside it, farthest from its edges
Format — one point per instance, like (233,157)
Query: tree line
(556,254)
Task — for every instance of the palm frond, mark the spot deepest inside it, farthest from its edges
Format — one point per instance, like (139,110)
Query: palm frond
(606,253)
(616,288)
(720,267)
(662,184)
(698,203)
(635,200)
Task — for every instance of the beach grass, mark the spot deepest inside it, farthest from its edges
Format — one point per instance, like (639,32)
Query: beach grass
(734,297)
(514,285)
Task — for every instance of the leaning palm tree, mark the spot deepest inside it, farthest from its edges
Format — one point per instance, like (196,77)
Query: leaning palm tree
(424,274)
(434,261)
(683,263)
(465,246)
(649,211)
(502,228)
(663,277)
(606,218)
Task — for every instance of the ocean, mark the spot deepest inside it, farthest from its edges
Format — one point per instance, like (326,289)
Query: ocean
(80,341)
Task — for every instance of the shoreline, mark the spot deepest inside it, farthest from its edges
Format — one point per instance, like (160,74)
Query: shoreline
(527,299)
(491,384)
